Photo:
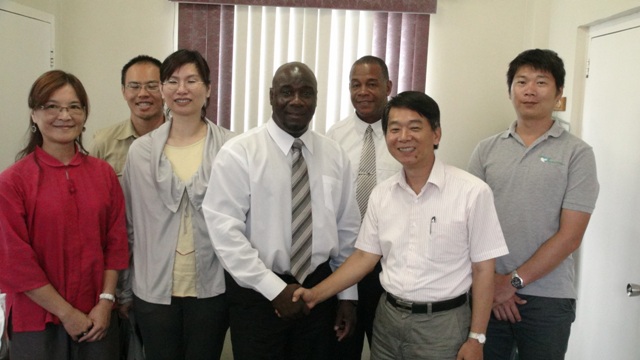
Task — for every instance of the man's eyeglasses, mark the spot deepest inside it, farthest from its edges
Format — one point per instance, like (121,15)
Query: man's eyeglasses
(55,110)
(189,84)
(135,87)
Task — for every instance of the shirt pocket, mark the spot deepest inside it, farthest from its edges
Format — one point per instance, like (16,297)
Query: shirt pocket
(448,241)
(331,188)
(117,162)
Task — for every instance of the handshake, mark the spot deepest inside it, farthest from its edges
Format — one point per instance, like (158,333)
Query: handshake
(296,302)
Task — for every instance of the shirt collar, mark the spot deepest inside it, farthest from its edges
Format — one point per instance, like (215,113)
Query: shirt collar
(361,127)
(555,130)
(284,141)
(127,131)
(436,177)
(49,160)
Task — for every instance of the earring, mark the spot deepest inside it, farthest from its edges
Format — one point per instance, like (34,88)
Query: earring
(84,128)
(34,128)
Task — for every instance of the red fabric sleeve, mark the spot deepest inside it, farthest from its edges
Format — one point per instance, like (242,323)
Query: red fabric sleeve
(18,262)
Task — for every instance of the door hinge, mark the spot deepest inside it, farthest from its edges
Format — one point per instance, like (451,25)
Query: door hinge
(588,65)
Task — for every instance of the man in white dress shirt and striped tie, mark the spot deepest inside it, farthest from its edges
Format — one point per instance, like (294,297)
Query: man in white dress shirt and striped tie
(282,213)
(435,230)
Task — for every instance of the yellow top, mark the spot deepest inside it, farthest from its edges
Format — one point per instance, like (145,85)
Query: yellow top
(185,161)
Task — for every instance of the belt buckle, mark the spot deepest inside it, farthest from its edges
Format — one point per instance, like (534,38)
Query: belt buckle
(404,304)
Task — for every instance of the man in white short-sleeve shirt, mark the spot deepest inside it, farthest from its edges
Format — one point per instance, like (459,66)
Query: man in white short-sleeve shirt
(436,232)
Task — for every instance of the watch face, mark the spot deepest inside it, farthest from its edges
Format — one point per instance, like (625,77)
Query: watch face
(480,337)
(516,282)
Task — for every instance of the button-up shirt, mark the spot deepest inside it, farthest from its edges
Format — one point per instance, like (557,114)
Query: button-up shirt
(428,241)
(249,213)
(349,133)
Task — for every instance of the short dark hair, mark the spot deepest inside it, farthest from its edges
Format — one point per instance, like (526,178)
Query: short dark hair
(370,59)
(539,59)
(182,57)
(416,101)
(138,60)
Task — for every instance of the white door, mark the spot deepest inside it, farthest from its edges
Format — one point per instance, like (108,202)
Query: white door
(608,321)
(26,43)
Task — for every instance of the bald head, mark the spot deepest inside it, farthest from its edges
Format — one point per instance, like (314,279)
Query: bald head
(293,96)
(294,69)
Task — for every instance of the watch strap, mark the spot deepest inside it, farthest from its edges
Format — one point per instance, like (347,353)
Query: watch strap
(482,338)
(105,296)
(516,281)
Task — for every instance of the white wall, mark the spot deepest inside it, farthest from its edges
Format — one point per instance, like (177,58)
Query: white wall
(569,22)
(568,35)
(32,32)
(94,39)
(470,46)
(42,5)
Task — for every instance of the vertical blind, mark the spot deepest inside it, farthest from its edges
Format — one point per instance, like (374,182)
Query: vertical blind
(328,41)
(244,46)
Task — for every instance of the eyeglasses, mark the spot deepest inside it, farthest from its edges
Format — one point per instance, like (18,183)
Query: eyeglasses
(189,84)
(54,109)
(151,87)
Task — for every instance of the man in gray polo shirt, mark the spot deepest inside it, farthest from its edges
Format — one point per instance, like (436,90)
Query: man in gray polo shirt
(545,187)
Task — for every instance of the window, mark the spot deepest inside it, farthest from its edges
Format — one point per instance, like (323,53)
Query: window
(244,45)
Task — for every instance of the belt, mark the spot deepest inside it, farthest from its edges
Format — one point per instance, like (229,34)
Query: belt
(425,308)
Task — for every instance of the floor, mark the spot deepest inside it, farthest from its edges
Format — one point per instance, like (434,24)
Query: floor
(227,355)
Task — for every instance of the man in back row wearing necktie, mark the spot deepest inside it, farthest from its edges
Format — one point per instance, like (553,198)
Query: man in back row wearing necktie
(361,136)
(281,210)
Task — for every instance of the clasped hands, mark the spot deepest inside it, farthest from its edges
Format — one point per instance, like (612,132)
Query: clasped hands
(90,327)
(288,306)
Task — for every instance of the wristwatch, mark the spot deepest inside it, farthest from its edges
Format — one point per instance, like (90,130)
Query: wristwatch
(105,296)
(516,280)
(478,336)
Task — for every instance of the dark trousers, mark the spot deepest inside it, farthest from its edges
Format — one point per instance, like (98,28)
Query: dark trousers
(53,343)
(369,292)
(130,338)
(258,333)
(543,333)
(188,328)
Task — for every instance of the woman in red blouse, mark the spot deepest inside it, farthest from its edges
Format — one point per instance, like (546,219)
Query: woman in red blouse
(62,233)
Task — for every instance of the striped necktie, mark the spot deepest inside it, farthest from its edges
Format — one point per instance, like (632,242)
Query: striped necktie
(301,226)
(366,172)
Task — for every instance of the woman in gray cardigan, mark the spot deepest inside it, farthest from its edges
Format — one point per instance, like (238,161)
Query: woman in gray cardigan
(177,281)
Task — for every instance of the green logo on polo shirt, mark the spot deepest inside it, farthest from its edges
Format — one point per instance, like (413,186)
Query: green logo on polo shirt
(549,160)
